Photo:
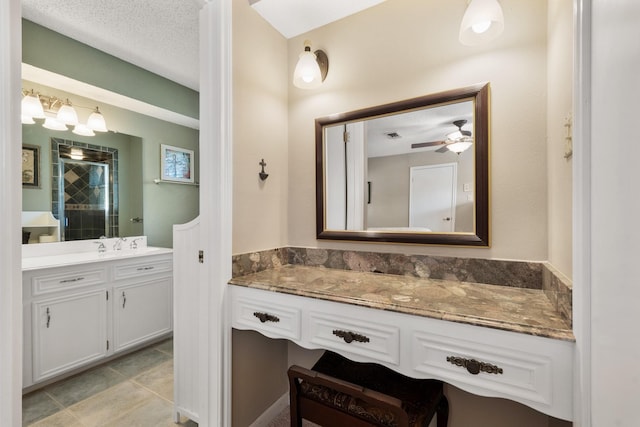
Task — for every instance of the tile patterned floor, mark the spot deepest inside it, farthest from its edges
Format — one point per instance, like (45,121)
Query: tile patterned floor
(134,390)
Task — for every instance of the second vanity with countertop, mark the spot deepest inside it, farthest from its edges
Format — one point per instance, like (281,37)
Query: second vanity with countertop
(487,339)
(86,301)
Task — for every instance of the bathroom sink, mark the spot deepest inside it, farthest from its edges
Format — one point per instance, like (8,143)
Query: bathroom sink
(84,254)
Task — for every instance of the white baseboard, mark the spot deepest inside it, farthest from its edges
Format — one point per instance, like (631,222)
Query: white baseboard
(272,411)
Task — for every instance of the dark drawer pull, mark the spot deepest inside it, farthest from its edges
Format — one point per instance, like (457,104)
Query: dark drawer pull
(348,337)
(473,366)
(75,279)
(265,317)
(144,268)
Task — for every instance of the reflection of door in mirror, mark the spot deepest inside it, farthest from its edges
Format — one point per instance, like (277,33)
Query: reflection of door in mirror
(432,197)
(86,199)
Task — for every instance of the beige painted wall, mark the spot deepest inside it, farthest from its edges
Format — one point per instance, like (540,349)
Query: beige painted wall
(260,215)
(260,117)
(407,48)
(259,375)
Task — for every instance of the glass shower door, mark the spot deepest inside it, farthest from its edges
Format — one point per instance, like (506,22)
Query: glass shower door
(84,210)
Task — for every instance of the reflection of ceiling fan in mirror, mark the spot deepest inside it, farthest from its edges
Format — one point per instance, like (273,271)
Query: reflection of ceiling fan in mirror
(457,141)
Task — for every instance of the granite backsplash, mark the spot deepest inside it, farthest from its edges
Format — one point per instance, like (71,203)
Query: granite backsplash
(519,274)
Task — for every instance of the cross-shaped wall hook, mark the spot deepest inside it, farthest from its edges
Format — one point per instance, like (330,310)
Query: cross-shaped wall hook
(262,174)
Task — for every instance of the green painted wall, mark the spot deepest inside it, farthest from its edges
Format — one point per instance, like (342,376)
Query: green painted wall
(52,51)
(163,205)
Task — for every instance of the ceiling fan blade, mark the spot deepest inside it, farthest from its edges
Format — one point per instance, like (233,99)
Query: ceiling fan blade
(442,149)
(427,144)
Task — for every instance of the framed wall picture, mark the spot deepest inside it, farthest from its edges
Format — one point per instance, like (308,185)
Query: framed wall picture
(31,166)
(176,164)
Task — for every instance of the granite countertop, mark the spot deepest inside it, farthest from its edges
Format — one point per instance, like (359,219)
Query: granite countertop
(527,311)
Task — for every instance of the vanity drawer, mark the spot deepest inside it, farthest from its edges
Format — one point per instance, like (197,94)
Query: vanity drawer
(59,279)
(270,318)
(490,367)
(144,267)
(375,341)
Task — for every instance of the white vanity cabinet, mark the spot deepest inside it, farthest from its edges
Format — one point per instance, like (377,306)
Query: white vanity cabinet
(141,311)
(79,315)
(532,370)
(68,331)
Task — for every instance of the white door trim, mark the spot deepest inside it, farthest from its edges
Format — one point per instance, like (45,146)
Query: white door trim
(215,211)
(582,212)
(10,213)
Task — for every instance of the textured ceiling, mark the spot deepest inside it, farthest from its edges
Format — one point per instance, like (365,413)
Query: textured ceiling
(162,35)
(158,35)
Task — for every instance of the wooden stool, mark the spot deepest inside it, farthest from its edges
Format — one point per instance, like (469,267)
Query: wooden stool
(340,392)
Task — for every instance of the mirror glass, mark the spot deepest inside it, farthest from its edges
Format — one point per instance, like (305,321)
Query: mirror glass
(80,184)
(414,171)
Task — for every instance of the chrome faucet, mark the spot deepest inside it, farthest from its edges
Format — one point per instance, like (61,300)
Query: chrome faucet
(133,244)
(118,244)
(101,247)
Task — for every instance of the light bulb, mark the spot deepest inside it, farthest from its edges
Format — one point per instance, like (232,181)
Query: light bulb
(67,114)
(482,22)
(481,27)
(96,122)
(459,147)
(31,106)
(307,74)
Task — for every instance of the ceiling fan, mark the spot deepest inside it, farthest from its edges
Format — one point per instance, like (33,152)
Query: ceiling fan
(457,141)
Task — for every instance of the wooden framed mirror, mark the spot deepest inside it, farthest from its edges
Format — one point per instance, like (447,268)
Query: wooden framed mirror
(413,171)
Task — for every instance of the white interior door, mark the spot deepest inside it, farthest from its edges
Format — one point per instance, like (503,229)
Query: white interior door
(432,196)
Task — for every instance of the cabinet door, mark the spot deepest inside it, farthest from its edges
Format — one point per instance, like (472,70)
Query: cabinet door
(141,311)
(68,332)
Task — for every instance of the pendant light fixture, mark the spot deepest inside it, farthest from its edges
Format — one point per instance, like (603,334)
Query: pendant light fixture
(31,106)
(83,130)
(96,121)
(67,114)
(53,124)
(311,69)
(482,22)
(27,120)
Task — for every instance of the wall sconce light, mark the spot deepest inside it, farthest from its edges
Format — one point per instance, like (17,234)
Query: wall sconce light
(58,114)
(311,69)
(482,22)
